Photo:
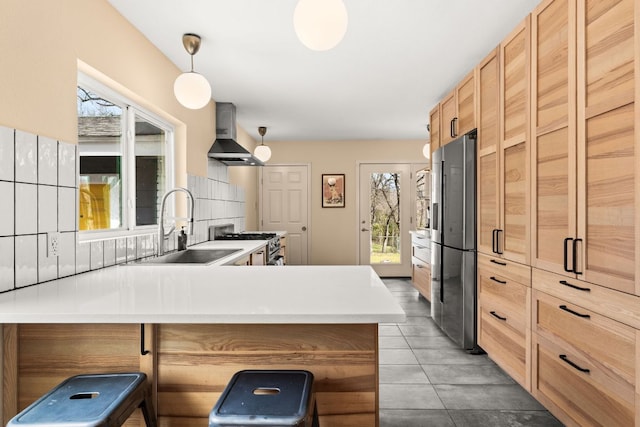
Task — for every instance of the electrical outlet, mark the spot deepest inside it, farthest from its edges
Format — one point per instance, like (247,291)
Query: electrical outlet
(53,244)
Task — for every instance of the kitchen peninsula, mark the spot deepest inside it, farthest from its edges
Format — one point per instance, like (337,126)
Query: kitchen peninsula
(190,329)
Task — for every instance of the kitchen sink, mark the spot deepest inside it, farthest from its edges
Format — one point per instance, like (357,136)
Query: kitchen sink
(189,256)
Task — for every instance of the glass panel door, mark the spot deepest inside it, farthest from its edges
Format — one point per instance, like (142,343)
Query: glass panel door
(384,218)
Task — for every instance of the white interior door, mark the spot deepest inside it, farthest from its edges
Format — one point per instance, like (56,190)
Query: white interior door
(285,207)
(384,218)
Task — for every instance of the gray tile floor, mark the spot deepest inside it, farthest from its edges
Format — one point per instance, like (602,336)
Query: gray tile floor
(426,381)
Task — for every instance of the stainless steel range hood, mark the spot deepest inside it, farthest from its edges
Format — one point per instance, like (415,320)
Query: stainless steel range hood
(225,148)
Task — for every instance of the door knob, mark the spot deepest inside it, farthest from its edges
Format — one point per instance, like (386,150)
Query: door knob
(365,229)
(304,228)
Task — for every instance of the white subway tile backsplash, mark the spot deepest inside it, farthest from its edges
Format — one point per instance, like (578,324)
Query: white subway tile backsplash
(109,252)
(67,254)
(47,161)
(67,213)
(67,165)
(97,255)
(7,211)
(47,265)
(6,264)
(47,208)
(26,156)
(26,208)
(7,153)
(83,256)
(121,250)
(26,261)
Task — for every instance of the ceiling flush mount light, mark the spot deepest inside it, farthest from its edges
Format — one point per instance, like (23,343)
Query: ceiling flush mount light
(320,24)
(262,152)
(191,89)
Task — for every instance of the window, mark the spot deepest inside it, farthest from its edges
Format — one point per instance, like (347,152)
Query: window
(125,161)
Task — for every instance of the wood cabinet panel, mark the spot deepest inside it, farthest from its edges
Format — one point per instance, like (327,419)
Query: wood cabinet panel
(488,156)
(609,51)
(434,128)
(466,105)
(515,83)
(589,334)
(504,315)
(421,277)
(579,398)
(623,307)
(447,116)
(46,354)
(515,205)
(608,200)
(195,362)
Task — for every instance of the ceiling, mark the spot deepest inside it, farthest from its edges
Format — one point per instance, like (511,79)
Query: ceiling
(397,60)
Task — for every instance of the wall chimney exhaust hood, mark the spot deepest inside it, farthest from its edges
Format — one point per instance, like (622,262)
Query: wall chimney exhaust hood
(225,148)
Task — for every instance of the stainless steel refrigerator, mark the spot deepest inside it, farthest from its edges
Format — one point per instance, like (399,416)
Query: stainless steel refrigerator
(453,237)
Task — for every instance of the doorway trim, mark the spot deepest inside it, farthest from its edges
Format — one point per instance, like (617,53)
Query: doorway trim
(309,205)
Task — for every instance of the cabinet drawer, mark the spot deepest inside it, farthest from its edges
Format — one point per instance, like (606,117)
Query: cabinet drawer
(505,343)
(507,299)
(423,253)
(421,277)
(593,337)
(617,305)
(577,390)
(505,269)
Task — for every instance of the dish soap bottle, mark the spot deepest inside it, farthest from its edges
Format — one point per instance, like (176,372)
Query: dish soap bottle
(182,240)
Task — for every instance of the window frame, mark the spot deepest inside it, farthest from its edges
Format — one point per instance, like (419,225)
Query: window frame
(130,110)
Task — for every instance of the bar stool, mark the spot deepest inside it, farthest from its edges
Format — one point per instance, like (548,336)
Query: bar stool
(279,398)
(94,400)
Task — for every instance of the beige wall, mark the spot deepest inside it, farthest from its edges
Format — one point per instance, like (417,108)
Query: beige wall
(41,42)
(333,233)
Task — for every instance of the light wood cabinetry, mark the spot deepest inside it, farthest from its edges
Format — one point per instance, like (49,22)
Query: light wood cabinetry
(195,362)
(37,357)
(458,110)
(434,128)
(488,89)
(608,165)
(584,363)
(421,265)
(503,152)
(504,316)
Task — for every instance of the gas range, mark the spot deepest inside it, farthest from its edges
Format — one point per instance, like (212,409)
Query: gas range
(273,241)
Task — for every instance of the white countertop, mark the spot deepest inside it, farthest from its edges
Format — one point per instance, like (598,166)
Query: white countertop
(207,294)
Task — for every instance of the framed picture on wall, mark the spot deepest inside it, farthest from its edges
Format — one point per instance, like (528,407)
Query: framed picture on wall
(333,191)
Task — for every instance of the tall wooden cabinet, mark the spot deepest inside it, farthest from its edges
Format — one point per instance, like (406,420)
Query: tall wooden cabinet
(503,157)
(434,128)
(458,110)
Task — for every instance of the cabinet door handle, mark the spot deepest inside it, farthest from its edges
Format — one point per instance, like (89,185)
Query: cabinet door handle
(418,265)
(143,352)
(493,241)
(575,313)
(453,126)
(566,255)
(502,282)
(498,241)
(566,360)
(497,316)
(575,256)
(565,283)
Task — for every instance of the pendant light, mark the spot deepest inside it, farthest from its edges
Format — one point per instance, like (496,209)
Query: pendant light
(426,150)
(320,24)
(191,89)
(262,151)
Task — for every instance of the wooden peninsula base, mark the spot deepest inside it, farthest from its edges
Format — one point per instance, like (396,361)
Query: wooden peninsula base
(190,364)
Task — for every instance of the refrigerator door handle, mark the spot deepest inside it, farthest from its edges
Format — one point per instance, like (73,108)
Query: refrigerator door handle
(435,217)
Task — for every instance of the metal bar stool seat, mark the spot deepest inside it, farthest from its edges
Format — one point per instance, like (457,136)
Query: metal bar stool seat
(282,398)
(93,400)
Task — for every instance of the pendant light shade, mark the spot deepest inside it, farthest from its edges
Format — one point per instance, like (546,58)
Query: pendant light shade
(426,150)
(262,151)
(191,89)
(320,24)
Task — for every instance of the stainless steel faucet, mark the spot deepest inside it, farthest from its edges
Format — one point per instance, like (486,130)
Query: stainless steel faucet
(161,234)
